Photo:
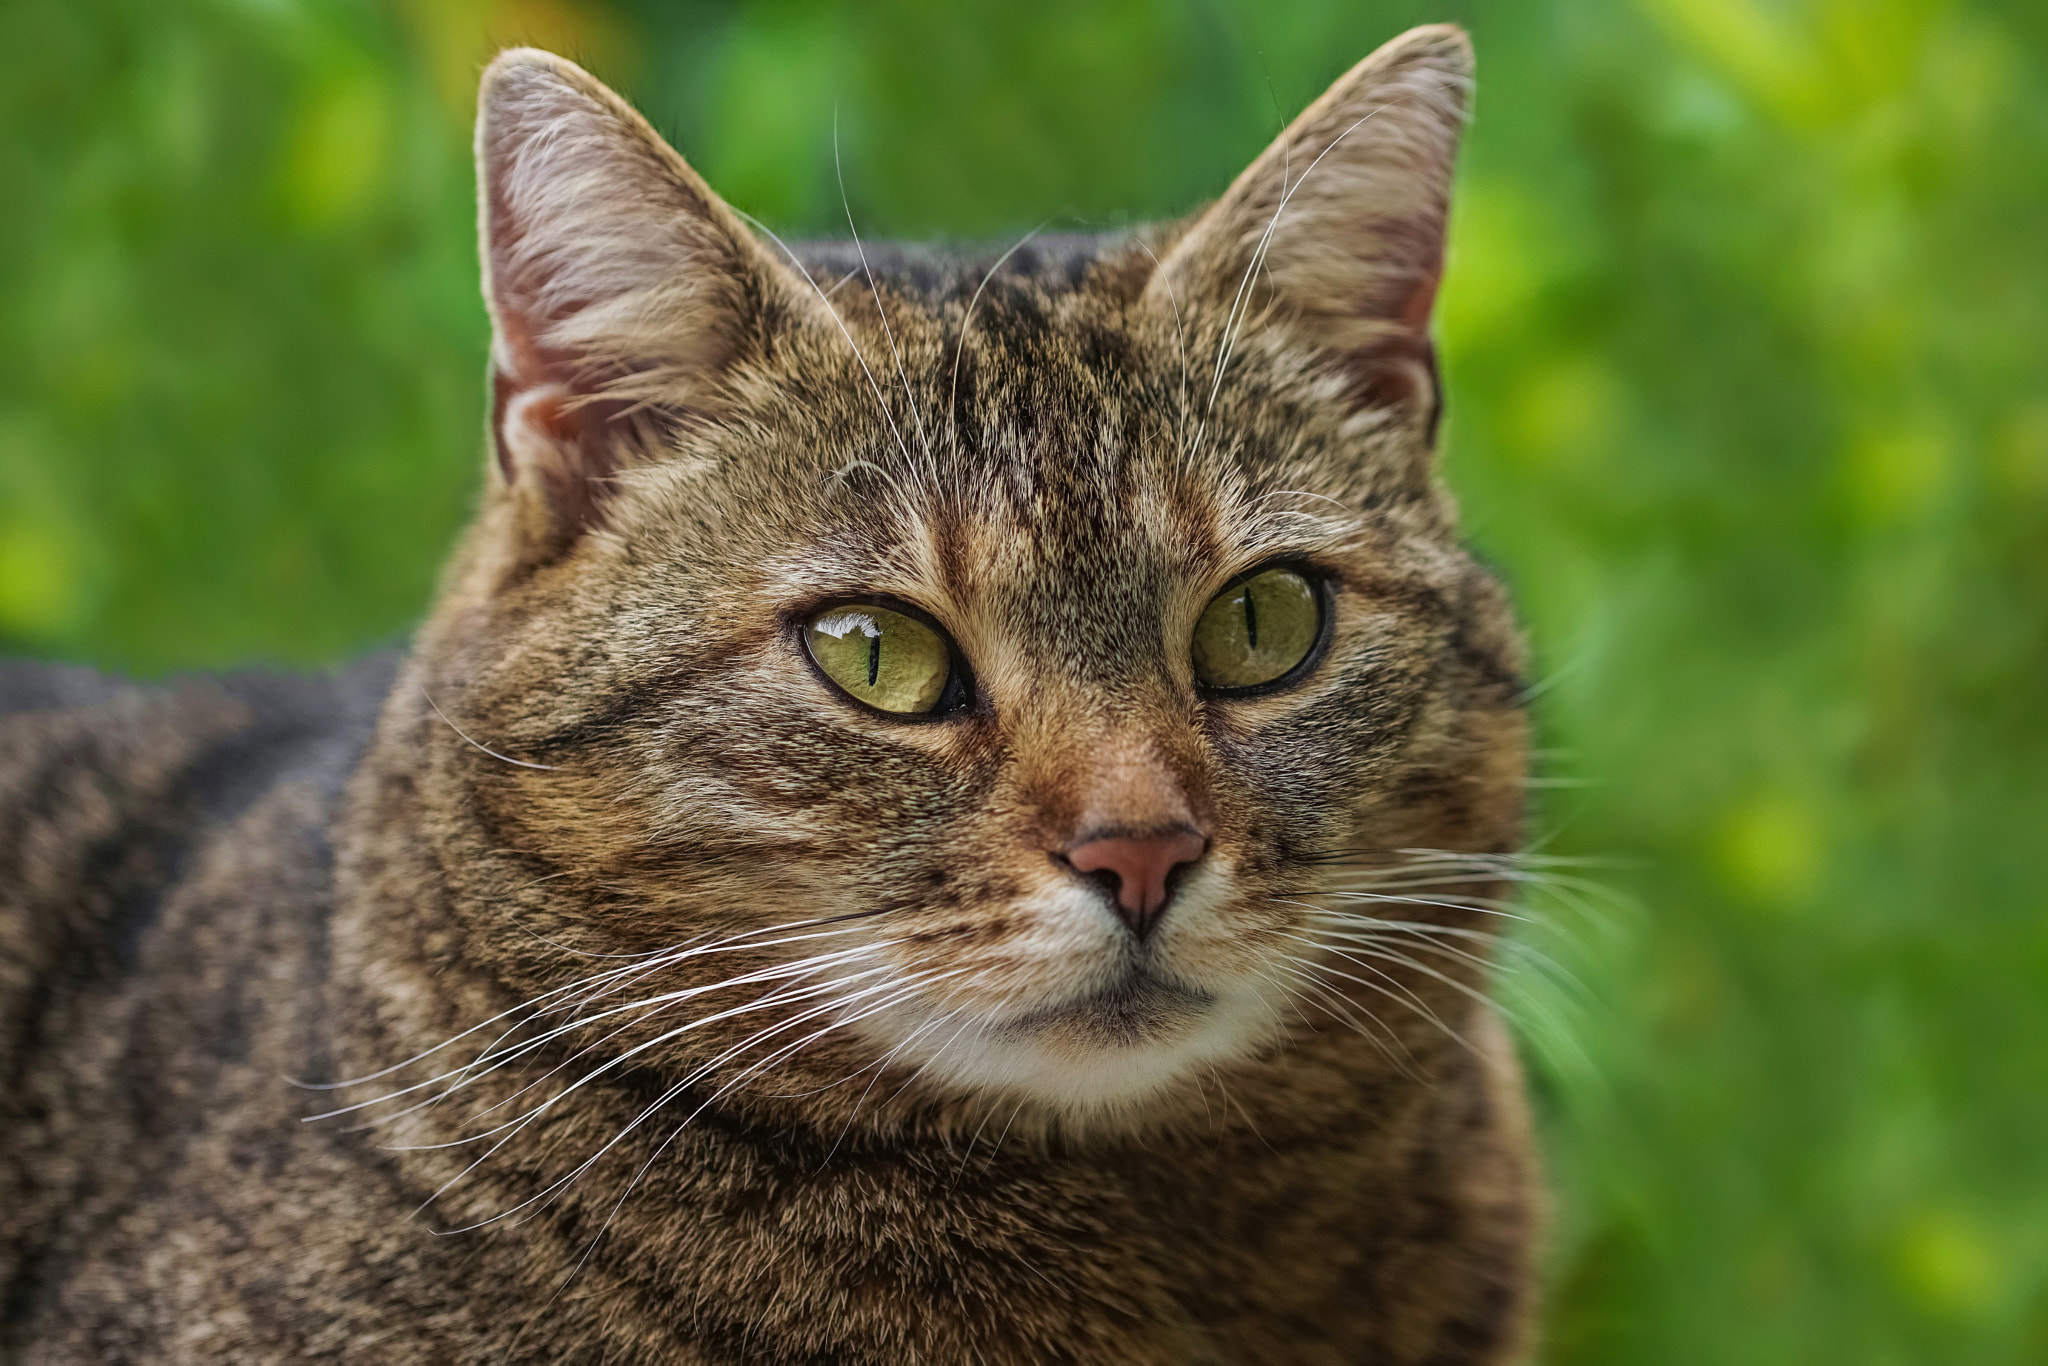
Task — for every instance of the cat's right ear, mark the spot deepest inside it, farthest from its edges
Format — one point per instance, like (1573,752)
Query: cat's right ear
(1329,247)
(621,292)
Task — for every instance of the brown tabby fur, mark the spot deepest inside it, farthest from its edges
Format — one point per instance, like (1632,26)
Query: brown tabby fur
(997,1129)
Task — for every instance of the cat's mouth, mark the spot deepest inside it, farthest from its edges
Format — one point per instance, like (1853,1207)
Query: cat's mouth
(1134,1029)
(1136,1009)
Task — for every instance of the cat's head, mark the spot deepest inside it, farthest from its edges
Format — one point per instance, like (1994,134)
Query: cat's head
(991,671)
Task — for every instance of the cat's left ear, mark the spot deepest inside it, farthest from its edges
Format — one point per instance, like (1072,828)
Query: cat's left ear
(622,292)
(1333,240)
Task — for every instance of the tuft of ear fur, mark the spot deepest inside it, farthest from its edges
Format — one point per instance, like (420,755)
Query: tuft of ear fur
(621,289)
(1336,233)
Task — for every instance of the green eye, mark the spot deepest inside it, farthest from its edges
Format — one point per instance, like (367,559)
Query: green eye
(888,660)
(1257,630)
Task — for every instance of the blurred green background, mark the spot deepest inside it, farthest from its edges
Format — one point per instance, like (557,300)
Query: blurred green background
(1747,337)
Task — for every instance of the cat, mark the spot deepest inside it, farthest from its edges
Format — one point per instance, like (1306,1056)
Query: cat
(949,808)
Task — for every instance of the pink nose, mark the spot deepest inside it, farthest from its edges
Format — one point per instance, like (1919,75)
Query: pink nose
(1140,864)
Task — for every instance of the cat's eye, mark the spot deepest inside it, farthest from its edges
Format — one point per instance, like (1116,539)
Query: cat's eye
(1257,631)
(890,661)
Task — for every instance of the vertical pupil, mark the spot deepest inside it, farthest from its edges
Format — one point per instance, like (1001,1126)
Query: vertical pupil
(1251,619)
(874,658)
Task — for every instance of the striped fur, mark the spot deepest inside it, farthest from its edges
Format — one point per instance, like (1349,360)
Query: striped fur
(882,1079)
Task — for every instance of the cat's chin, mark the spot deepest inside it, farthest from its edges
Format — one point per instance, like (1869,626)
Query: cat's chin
(1106,1053)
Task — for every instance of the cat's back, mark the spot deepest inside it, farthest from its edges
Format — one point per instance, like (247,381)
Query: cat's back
(163,884)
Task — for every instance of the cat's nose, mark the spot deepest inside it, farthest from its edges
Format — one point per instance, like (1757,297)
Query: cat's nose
(1140,865)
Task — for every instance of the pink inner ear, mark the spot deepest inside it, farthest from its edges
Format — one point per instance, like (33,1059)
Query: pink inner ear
(556,446)
(506,393)
(541,409)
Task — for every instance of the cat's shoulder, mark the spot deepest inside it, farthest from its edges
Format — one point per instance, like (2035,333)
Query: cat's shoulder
(107,785)
(164,874)
(79,747)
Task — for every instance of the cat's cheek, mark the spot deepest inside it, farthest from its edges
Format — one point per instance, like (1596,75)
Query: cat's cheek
(1058,942)
(987,964)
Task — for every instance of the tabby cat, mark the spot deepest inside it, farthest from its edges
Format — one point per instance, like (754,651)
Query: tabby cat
(949,809)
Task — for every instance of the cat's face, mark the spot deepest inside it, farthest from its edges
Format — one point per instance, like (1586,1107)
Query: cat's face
(1003,706)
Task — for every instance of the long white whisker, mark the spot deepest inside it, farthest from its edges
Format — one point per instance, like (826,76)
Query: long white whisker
(1180,340)
(1494,938)
(881,311)
(681,994)
(477,744)
(722,945)
(780,995)
(515,1127)
(634,1183)
(674,1090)
(1360,954)
(1340,1007)
(1288,994)
(861,359)
(519,1119)
(936,1022)
(885,1058)
(960,349)
(1389,986)
(1240,306)
(609,979)
(1479,905)
(651,1005)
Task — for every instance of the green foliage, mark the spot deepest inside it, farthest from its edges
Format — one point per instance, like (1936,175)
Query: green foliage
(1745,334)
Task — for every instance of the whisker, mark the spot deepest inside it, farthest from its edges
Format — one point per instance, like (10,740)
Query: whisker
(909,398)
(1480,905)
(1240,306)
(681,994)
(1339,1007)
(883,1061)
(998,1145)
(731,941)
(960,348)
(1179,337)
(858,357)
(1299,493)
(476,744)
(1393,989)
(1501,952)
(938,1022)
(973,1139)
(778,996)
(907,990)
(652,1005)
(638,1175)
(705,1069)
